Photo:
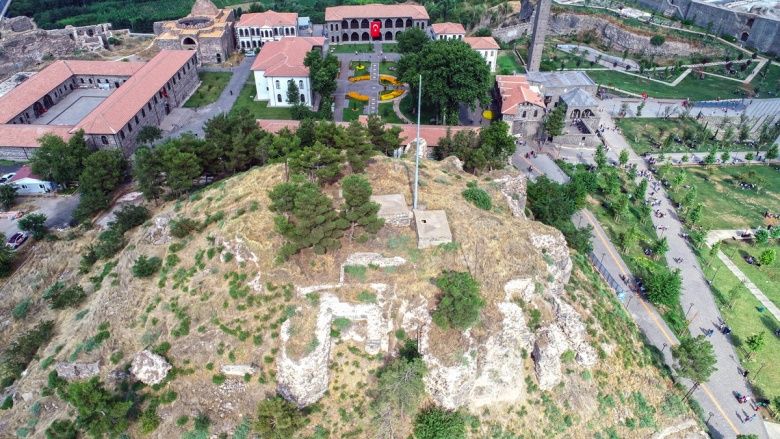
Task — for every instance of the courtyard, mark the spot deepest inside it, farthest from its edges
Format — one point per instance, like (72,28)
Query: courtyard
(74,107)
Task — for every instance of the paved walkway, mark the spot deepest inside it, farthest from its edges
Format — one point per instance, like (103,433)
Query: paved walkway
(370,88)
(198,117)
(768,304)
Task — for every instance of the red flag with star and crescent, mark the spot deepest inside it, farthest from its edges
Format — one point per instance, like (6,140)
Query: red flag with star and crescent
(376,29)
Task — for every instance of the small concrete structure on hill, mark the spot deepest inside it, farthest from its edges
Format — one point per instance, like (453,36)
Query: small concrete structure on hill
(432,228)
(393,209)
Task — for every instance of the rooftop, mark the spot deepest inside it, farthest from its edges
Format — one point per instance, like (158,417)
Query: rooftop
(285,57)
(579,98)
(268,19)
(416,12)
(561,79)
(26,136)
(432,228)
(481,43)
(34,88)
(448,29)
(516,90)
(24,172)
(114,112)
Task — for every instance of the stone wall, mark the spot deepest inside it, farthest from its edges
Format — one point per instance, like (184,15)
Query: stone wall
(16,154)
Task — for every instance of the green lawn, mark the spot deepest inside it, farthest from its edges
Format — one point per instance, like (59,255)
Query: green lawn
(211,86)
(387,114)
(507,63)
(766,277)
(726,204)
(647,134)
(390,48)
(745,319)
(353,110)
(388,68)
(408,107)
(736,67)
(709,88)
(767,83)
(352,48)
(360,68)
(258,109)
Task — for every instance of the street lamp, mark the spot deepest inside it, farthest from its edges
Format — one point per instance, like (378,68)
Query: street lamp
(417,144)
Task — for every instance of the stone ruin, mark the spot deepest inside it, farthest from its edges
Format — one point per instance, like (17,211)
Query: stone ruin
(77,371)
(393,209)
(149,368)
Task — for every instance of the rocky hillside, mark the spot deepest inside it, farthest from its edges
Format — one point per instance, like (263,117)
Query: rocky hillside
(553,354)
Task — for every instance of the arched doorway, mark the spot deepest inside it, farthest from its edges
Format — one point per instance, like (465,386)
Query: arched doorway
(48,102)
(744,36)
(389,22)
(344,24)
(399,22)
(364,24)
(388,35)
(353,24)
(365,36)
(587,113)
(575,114)
(354,37)
(38,109)
(408,22)
(189,43)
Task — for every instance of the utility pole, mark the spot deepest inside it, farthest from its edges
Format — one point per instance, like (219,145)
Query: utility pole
(417,144)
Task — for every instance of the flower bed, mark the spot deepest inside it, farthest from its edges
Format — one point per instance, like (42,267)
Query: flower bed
(359,78)
(392,94)
(357,96)
(392,80)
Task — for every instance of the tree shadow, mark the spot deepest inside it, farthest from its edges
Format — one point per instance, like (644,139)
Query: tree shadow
(770,323)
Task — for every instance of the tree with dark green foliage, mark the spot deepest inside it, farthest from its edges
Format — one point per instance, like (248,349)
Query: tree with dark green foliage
(20,351)
(754,343)
(146,267)
(496,145)
(182,227)
(60,161)
(62,429)
(553,204)
(8,403)
(399,392)
(293,93)
(99,411)
(555,120)
(477,196)
(129,217)
(103,171)
(148,172)
(460,303)
(322,72)
(358,208)
(771,153)
(359,149)
(233,143)
(386,140)
(7,257)
(657,40)
(663,286)
(306,218)
(453,74)
(600,157)
(412,40)
(278,419)
(62,296)
(695,358)
(483,32)
(7,196)
(318,163)
(307,132)
(436,423)
(148,135)
(181,167)
(35,224)
(284,144)
(660,247)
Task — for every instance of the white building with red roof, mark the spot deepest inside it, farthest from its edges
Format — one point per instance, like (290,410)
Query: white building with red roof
(372,22)
(487,47)
(522,104)
(280,62)
(255,29)
(110,101)
(27,183)
(447,31)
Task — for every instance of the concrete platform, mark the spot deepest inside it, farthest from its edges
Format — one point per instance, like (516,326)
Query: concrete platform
(74,107)
(432,228)
(393,209)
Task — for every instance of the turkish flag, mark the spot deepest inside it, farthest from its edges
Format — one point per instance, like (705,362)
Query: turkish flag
(376,29)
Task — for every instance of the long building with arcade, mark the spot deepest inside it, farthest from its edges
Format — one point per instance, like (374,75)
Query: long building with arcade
(374,22)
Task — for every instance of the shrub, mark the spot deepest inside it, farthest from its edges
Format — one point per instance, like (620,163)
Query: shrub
(61,296)
(99,412)
(277,418)
(657,40)
(145,267)
(218,379)
(477,196)
(663,287)
(435,423)
(129,217)
(21,309)
(62,429)
(461,302)
(109,243)
(8,403)
(182,227)
(34,223)
(18,354)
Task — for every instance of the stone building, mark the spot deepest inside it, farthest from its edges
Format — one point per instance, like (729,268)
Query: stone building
(280,62)
(521,105)
(207,29)
(447,31)
(110,101)
(556,84)
(255,29)
(357,23)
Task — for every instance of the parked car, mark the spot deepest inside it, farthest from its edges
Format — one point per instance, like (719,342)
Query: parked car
(6,177)
(16,240)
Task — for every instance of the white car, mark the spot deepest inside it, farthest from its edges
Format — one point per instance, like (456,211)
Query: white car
(7,177)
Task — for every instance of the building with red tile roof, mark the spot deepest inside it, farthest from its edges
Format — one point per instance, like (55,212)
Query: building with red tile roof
(255,29)
(280,62)
(138,94)
(522,104)
(27,183)
(447,31)
(373,22)
(487,47)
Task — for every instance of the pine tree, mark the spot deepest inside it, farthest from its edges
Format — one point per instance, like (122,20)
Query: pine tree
(318,163)
(358,208)
(147,171)
(358,148)
(306,218)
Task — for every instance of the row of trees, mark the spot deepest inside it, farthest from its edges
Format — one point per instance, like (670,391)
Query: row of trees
(488,149)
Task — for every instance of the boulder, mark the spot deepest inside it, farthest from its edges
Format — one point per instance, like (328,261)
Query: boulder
(77,371)
(149,368)
(237,369)
(550,344)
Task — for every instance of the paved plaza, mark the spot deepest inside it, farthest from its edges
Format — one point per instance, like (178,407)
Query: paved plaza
(74,107)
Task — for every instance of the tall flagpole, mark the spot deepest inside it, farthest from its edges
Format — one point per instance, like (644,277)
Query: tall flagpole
(417,143)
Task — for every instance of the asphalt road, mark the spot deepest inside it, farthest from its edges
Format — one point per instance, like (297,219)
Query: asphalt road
(58,210)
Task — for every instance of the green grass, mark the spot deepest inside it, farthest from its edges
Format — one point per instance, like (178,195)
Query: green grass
(353,110)
(767,86)
(408,107)
(647,134)
(709,88)
(507,63)
(352,48)
(726,205)
(390,47)
(744,319)
(360,68)
(258,109)
(212,84)
(736,68)
(387,113)
(388,68)
(766,277)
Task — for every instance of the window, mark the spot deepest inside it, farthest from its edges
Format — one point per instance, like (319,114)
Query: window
(278,97)
(121,134)
(536,113)
(300,83)
(148,105)
(136,119)
(82,80)
(524,113)
(104,140)
(143,112)
(277,83)
(303,99)
(129,127)
(90,80)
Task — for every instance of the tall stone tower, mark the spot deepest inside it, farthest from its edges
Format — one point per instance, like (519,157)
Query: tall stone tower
(539,34)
